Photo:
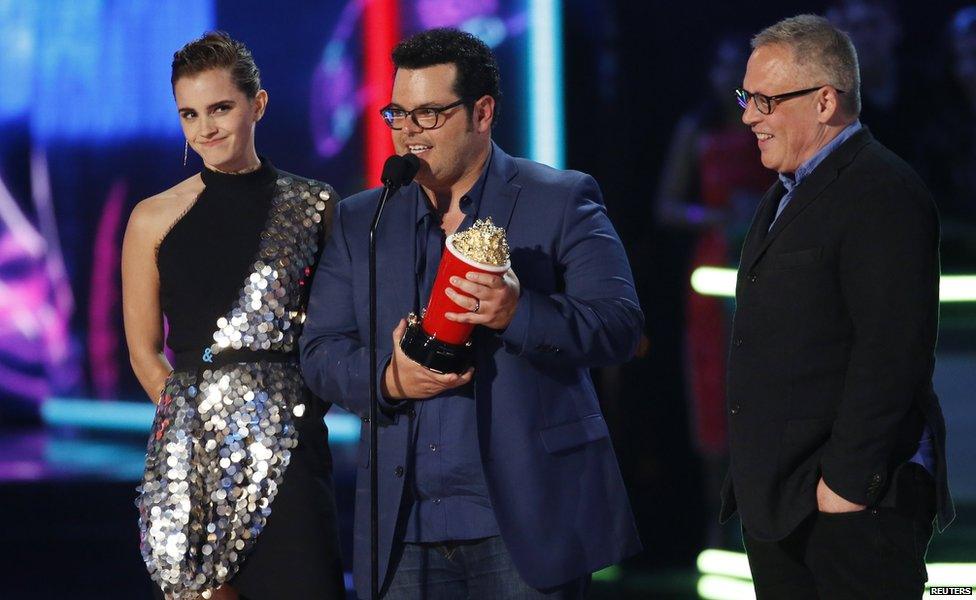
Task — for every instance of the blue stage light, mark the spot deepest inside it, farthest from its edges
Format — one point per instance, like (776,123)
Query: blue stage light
(17,47)
(94,69)
(546,137)
(137,417)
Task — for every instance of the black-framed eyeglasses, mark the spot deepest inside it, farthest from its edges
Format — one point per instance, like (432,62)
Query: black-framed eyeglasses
(766,104)
(425,117)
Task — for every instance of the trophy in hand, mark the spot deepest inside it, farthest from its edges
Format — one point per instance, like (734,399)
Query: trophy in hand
(431,339)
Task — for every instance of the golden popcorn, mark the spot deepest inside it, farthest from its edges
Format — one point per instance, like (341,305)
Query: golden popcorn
(483,242)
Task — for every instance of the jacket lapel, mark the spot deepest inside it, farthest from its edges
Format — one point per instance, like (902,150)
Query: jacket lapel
(498,202)
(810,189)
(500,194)
(760,223)
(396,246)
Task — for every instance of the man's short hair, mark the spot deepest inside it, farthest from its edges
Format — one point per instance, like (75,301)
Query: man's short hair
(477,69)
(823,49)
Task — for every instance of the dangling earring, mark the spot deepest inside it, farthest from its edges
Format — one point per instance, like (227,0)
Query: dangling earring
(186,150)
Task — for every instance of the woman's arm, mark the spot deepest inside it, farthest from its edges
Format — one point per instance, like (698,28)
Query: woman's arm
(141,312)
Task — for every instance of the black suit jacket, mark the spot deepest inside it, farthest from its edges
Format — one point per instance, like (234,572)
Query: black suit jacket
(833,342)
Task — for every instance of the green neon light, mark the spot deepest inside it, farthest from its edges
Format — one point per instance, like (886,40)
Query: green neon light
(609,574)
(720,282)
(717,587)
(729,568)
(714,281)
(957,288)
(725,563)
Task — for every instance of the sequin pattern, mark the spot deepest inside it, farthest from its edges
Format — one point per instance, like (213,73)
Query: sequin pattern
(221,438)
(267,316)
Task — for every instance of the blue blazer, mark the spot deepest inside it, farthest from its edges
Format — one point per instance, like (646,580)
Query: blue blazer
(551,472)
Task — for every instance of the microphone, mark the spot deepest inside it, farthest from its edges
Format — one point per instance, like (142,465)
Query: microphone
(398,171)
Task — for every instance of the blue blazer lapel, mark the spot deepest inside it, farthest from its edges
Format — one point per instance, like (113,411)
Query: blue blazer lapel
(396,246)
(498,202)
(500,195)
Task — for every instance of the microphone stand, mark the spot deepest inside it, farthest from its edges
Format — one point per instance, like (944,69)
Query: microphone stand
(374,569)
(397,172)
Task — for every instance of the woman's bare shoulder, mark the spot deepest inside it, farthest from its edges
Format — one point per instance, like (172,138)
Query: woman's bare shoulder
(157,214)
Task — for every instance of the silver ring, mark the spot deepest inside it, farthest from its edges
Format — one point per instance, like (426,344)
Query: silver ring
(477,305)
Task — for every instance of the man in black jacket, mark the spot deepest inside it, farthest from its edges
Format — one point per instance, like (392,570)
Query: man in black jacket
(837,438)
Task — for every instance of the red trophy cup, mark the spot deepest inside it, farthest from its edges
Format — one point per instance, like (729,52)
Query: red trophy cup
(431,339)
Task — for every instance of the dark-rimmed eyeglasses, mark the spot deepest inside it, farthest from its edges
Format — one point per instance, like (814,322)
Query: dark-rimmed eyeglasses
(425,117)
(766,104)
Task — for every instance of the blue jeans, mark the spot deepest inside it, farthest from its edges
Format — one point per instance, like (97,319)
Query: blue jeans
(475,570)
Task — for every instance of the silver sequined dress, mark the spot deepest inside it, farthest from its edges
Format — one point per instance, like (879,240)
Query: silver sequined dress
(230,415)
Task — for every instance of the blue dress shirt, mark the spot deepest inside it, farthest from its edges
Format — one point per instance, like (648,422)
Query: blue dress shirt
(449,493)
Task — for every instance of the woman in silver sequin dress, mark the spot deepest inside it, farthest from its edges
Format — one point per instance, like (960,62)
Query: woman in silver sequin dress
(237,498)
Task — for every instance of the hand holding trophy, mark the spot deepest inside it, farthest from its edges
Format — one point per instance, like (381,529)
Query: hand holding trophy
(434,341)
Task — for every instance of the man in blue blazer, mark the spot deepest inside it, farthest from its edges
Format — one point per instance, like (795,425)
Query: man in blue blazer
(500,482)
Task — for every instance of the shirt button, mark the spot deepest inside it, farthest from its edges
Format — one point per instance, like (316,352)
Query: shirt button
(398,471)
(734,409)
(876,478)
(737,342)
(753,277)
(433,447)
(436,500)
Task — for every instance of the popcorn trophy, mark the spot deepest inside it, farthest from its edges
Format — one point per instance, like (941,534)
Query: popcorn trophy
(432,340)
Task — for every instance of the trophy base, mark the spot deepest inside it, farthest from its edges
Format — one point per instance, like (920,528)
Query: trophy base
(434,354)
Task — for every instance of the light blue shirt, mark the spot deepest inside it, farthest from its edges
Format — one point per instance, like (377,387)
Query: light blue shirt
(792,181)
(925,455)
